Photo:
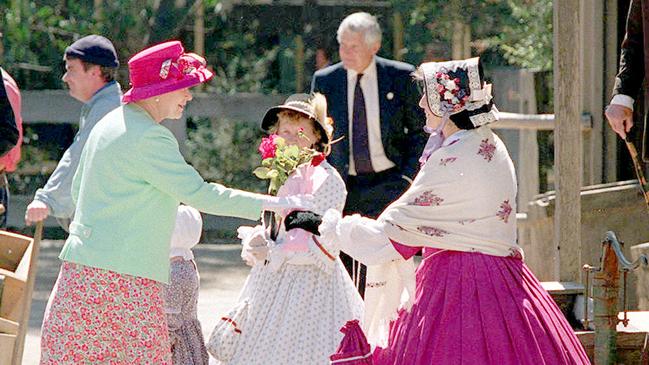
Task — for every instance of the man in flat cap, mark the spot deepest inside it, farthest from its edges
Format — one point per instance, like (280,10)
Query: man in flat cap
(90,64)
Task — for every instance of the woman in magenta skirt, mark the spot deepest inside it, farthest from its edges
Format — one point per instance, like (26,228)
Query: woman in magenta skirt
(472,300)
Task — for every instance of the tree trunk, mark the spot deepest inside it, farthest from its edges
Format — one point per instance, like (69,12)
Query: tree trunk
(97,9)
(461,40)
(199,28)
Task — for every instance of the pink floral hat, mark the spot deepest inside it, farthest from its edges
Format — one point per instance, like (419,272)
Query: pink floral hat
(164,68)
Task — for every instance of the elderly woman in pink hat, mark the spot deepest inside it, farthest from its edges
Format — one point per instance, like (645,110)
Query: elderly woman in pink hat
(106,306)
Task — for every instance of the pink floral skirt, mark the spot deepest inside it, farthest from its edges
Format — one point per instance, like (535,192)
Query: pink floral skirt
(96,316)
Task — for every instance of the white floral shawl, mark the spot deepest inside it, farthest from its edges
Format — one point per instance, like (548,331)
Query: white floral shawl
(463,199)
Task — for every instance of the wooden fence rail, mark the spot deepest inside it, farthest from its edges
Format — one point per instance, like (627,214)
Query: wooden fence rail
(537,122)
(56,106)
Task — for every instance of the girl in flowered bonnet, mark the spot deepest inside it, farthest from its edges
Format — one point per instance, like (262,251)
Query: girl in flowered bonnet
(181,294)
(298,291)
(472,299)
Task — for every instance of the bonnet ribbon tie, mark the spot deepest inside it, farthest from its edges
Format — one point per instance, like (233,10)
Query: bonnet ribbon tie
(435,140)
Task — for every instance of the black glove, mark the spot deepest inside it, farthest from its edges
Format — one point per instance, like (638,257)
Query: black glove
(306,220)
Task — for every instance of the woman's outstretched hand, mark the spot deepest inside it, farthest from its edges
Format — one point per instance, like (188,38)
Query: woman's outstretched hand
(306,220)
(279,204)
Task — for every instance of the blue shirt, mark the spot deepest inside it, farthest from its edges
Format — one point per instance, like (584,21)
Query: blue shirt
(57,191)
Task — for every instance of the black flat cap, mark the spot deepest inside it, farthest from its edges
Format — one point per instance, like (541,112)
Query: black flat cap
(94,49)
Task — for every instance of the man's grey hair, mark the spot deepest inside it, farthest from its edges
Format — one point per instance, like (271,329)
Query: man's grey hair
(363,23)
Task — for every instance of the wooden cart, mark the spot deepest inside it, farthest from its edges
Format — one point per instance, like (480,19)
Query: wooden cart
(18,259)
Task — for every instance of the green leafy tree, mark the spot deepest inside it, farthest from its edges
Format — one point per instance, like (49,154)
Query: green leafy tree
(36,33)
(226,152)
(429,25)
(514,32)
(527,40)
(242,63)
(34,37)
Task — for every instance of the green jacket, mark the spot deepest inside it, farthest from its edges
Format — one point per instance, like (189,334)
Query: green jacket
(130,180)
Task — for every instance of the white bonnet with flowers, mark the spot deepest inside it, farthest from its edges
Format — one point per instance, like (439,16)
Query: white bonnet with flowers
(455,86)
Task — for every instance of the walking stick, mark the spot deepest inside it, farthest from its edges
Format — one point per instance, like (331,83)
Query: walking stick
(638,170)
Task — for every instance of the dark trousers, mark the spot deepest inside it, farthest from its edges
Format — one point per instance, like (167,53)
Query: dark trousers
(4,199)
(368,195)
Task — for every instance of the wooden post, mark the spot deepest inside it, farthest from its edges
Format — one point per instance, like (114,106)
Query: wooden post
(592,81)
(611,47)
(606,286)
(516,94)
(567,139)
(397,36)
(528,145)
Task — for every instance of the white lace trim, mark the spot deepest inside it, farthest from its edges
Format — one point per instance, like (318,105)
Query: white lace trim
(484,118)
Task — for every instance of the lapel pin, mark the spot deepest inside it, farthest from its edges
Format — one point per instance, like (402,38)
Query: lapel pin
(390,95)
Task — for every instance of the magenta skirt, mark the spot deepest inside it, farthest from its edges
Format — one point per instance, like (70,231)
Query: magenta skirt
(472,308)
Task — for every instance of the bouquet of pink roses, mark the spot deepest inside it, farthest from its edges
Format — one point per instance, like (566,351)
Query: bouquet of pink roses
(279,160)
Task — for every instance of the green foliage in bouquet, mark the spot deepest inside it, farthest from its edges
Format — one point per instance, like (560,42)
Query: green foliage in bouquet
(279,160)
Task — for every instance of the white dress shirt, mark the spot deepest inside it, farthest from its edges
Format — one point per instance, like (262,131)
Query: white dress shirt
(620,99)
(370,87)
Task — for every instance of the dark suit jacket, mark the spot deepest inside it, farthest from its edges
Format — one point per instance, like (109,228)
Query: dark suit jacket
(402,120)
(634,61)
(8,130)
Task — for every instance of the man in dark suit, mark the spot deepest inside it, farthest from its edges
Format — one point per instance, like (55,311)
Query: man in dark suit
(374,104)
(634,66)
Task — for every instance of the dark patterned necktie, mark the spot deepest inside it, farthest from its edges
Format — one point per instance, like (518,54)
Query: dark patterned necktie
(360,140)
